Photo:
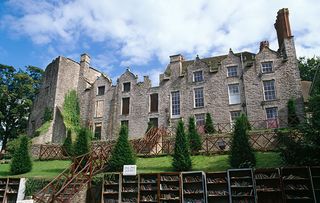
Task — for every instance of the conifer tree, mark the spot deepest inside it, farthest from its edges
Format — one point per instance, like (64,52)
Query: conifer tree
(208,126)
(67,144)
(122,154)
(241,152)
(194,137)
(181,157)
(21,161)
(293,119)
(82,144)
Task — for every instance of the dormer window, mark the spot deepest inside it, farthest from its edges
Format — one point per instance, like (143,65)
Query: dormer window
(198,76)
(101,90)
(126,87)
(266,67)
(232,71)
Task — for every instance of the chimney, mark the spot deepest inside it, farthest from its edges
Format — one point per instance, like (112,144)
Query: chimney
(85,58)
(282,26)
(264,44)
(176,58)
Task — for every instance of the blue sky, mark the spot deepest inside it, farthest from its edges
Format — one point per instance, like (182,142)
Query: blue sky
(142,34)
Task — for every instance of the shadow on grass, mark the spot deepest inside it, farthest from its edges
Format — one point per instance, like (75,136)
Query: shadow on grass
(5,173)
(53,170)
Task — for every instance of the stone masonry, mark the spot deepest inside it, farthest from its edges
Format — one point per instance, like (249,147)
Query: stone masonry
(258,85)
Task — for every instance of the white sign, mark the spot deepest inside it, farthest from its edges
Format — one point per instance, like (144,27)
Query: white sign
(25,201)
(129,170)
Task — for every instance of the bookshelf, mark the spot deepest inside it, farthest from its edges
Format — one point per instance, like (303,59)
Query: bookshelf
(169,187)
(217,187)
(268,185)
(9,188)
(111,188)
(193,187)
(315,174)
(148,188)
(297,184)
(241,186)
(129,188)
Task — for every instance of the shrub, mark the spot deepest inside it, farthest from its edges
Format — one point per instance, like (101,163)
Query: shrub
(71,110)
(34,185)
(67,144)
(208,125)
(314,107)
(241,152)
(194,137)
(82,144)
(122,154)
(181,157)
(21,162)
(293,119)
(47,116)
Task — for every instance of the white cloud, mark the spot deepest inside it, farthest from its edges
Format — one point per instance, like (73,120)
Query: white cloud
(146,30)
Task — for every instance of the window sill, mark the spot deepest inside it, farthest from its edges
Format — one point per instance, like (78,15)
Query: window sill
(175,117)
(265,73)
(199,107)
(234,104)
(236,76)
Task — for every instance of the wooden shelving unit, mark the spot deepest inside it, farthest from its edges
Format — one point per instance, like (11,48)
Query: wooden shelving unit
(193,187)
(315,174)
(241,186)
(268,185)
(297,184)
(130,188)
(110,188)
(217,187)
(3,186)
(148,188)
(9,188)
(169,187)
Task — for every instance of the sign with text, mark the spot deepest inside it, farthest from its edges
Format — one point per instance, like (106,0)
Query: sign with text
(129,170)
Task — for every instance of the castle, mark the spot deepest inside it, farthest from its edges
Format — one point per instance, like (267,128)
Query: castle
(258,85)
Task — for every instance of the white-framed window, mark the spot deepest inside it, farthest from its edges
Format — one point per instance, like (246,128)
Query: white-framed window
(198,76)
(272,117)
(234,115)
(234,93)
(198,97)
(200,119)
(232,71)
(266,67)
(175,104)
(269,90)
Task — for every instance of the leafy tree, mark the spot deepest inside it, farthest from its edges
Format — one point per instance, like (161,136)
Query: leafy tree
(194,137)
(17,91)
(241,151)
(310,70)
(71,110)
(82,143)
(21,162)
(181,156)
(67,144)
(293,119)
(122,154)
(314,108)
(208,125)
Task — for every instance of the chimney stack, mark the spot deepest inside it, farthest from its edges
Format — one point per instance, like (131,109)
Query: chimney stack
(282,26)
(264,44)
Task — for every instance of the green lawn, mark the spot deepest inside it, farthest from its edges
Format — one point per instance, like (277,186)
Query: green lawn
(51,169)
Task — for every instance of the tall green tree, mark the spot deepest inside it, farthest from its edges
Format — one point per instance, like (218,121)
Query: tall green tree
(194,137)
(67,144)
(21,161)
(122,154)
(241,152)
(308,68)
(17,91)
(293,119)
(181,156)
(208,125)
(82,143)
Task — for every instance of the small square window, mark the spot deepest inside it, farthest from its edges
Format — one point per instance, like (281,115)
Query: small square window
(126,86)
(200,119)
(101,90)
(234,115)
(266,67)
(197,76)
(232,71)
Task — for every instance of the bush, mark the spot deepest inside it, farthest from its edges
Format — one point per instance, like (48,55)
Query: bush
(67,144)
(34,185)
(208,125)
(21,162)
(293,119)
(241,152)
(82,144)
(181,157)
(47,116)
(194,137)
(122,154)
(71,111)
(314,107)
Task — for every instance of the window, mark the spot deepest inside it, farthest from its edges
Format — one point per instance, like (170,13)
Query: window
(154,122)
(272,117)
(99,109)
(266,67)
(175,103)
(125,122)
(101,90)
(126,86)
(125,106)
(234,115)
(97,131)
(232,71)
(197,76)
(198,97)
(154,102)
(199,119)
(234,94)
(269,90)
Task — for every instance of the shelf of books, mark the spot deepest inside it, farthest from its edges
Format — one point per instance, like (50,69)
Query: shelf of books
(241,186)
(297,184)
(268,185)
(194,187)
(217,187)
(111,188)
(169,187)
(315,174)
(148,189)
(129,189)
